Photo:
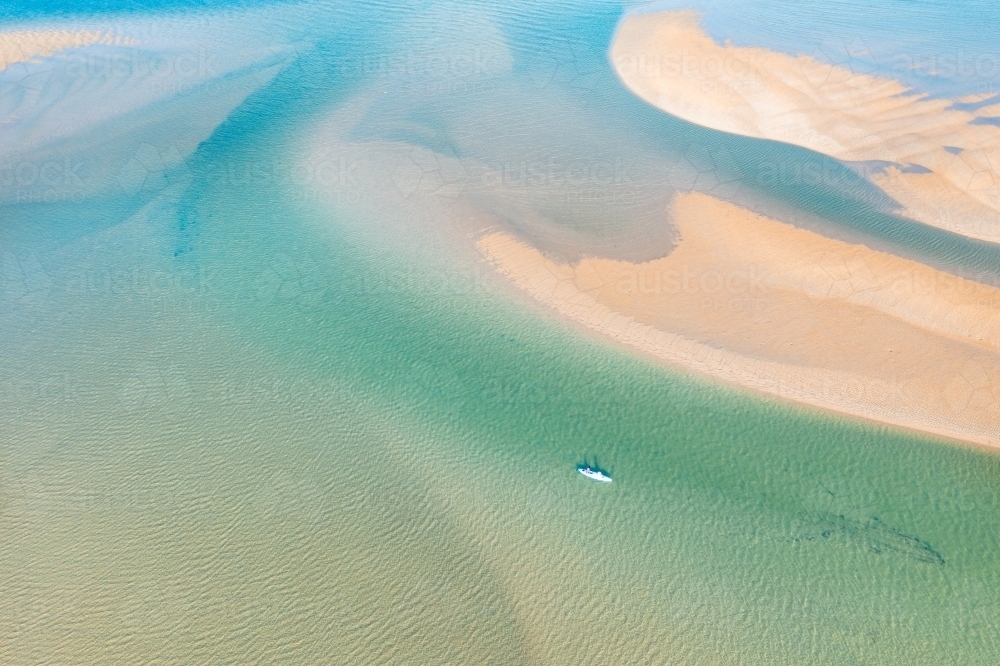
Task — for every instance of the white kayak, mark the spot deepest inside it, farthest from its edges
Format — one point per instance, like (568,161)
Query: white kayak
(593,474)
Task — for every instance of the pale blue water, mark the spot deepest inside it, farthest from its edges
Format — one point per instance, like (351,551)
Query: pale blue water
(944,48)
(244,422)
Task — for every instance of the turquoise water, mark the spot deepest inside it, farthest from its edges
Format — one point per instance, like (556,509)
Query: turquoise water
(253,414)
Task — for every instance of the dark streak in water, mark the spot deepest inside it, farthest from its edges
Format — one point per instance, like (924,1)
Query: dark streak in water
(871,533)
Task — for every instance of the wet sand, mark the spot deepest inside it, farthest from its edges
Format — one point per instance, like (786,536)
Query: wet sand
(939,162)
(25,45)
(774,308)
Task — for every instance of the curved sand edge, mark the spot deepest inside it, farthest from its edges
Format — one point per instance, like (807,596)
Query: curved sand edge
(946,169)
(741,313)
(25,45)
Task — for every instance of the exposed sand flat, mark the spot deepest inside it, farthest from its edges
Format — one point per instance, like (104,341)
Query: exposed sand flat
(765,305)
(976,97)
(667,60)
(23,45)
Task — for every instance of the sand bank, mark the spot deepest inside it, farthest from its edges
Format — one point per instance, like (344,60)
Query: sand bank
(768,306)
(942,164)
(24,45)
(86,111)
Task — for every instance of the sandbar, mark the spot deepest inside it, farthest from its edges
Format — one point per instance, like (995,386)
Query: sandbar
(25,45)
(768,306)
(939,162)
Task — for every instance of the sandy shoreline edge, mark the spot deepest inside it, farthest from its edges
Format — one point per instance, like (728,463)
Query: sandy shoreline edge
(862,343)
(940,162)
(17,46)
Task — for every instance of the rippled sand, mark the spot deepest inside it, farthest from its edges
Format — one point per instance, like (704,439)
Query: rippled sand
(940,162)
(783,310)
(24,45)
(263,401)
